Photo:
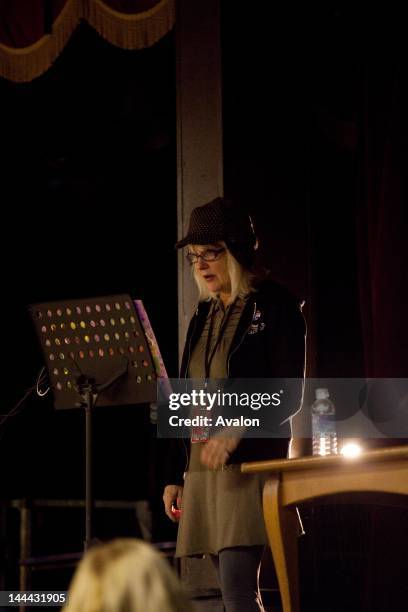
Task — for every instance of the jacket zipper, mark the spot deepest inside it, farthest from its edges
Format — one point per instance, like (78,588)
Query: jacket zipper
(241,341)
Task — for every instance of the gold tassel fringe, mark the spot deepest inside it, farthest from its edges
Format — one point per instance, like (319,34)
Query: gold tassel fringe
(27,63)
(128,31)
(131,31)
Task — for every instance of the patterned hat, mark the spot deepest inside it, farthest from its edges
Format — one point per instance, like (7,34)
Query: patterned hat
(217,221)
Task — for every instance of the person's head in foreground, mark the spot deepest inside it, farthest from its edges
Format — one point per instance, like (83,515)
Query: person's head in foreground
(221,245)
(125,575)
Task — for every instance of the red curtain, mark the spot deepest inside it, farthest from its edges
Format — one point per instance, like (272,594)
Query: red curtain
(34,32)
(382,224)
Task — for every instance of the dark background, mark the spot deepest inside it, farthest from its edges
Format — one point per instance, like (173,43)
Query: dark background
(88,174)
(315,136)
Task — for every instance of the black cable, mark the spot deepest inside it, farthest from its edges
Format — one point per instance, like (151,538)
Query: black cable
(20,404)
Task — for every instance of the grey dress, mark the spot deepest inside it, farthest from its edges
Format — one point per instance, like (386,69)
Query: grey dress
(221,508)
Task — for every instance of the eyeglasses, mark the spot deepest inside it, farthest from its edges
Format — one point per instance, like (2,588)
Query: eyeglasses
(207,255)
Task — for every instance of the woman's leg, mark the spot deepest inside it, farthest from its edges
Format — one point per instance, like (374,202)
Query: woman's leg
(238,573)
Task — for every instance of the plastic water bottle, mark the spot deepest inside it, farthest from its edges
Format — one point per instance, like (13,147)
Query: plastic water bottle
(323,424)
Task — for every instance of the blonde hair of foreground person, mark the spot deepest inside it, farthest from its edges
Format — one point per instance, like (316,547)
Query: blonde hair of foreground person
(125,575)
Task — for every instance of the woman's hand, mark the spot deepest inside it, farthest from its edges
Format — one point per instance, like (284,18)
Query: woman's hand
(171,494)
(217,451)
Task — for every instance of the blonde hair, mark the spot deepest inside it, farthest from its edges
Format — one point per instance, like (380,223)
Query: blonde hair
(125,575)
(240,278)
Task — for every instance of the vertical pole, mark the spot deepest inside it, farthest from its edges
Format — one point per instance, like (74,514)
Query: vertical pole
(199,161)
(199,125)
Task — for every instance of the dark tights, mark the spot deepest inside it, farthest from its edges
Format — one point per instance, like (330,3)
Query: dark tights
(238,574)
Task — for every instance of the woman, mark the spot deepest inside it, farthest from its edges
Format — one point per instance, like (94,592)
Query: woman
(125,575)
(244,327)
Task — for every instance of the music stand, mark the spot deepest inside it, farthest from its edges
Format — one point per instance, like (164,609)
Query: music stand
(96,353)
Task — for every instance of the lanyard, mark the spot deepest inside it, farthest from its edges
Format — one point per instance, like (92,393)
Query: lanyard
(210,355)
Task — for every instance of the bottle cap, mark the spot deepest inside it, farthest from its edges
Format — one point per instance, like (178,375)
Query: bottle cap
(322,393)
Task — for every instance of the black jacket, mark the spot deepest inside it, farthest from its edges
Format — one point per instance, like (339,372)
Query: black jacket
(269,342)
